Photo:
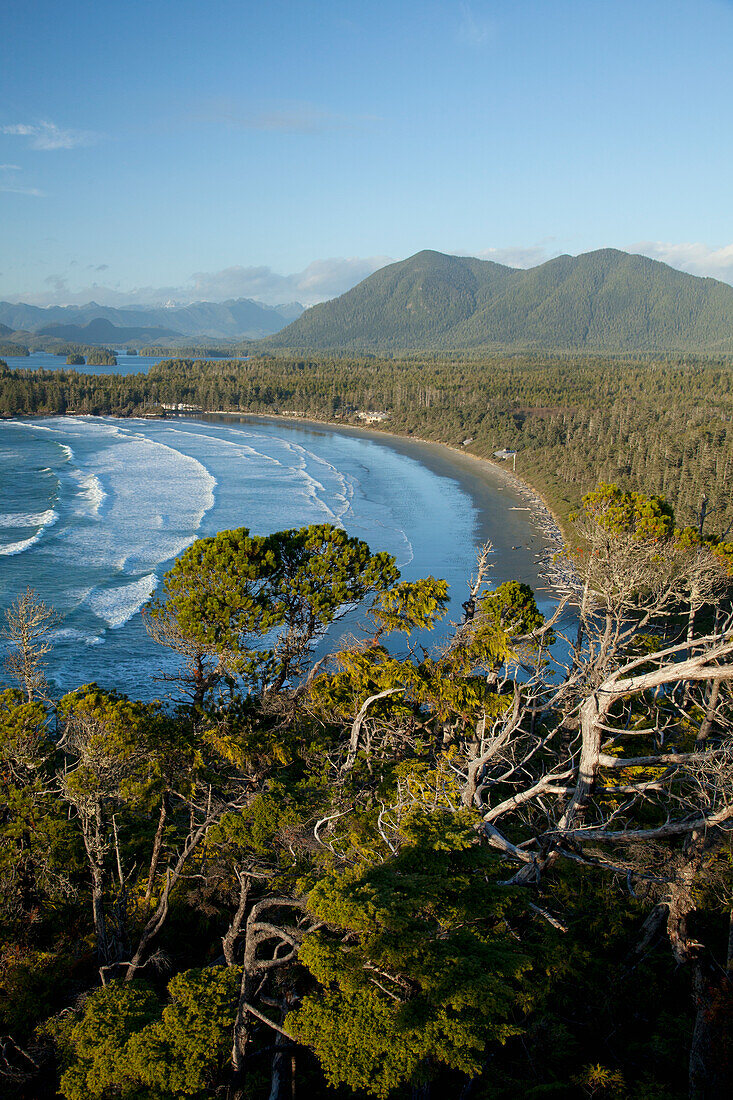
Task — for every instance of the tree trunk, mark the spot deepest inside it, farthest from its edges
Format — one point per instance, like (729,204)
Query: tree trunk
(711,1056)
(158,918)
(252,969)
(280,1060)
(712,702)
(157,843)
(230,939)
(359,721)
(241,1032)
(94,847)
(100,924)
(593,712)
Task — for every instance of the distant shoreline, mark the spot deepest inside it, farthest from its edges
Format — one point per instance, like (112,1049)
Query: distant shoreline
(483,465)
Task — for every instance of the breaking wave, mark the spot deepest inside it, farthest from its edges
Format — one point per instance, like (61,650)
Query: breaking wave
(42,520)
(29,519)
(116,606)
(90,490)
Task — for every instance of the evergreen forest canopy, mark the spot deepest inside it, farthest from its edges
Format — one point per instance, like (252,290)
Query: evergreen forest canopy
(660,424)
(461,871)
(603,301)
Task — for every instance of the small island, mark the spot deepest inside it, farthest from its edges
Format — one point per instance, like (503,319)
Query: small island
(102,358)
(74,359)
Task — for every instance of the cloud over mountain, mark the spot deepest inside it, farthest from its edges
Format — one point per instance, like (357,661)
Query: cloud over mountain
(694,257)
(319,281)
(322,279)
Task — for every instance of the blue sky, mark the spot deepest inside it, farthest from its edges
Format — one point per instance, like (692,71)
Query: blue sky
(181,149)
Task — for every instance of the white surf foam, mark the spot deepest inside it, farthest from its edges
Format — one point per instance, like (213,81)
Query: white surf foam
(116,606)
(26,519)
(29,519)
(90,490)
(312,486)
(142,496)
(246,449)
(70,633)
(12,548)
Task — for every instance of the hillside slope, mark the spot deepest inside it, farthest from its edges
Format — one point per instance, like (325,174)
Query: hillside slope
(608,301)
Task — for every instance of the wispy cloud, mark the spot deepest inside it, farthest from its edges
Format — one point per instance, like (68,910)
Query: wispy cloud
(473,29)
(319,281)
(35,192)
(58,283)
(693,257)
(47,135)
(280,118)
(9,183)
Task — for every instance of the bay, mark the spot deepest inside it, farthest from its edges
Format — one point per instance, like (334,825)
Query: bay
(43,360)
(93,510)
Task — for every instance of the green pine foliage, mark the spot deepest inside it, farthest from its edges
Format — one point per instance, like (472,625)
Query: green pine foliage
(301,885)
(418,968)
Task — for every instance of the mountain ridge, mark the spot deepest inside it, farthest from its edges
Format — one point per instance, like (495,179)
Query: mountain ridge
(235,317)
(601,301)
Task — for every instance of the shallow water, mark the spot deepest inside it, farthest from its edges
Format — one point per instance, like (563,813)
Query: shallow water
(94,510)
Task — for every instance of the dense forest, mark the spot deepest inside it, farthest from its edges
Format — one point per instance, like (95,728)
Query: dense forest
(496,868)
(659,424)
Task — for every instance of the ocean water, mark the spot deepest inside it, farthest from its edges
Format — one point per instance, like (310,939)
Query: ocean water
(43,360)
(94,510)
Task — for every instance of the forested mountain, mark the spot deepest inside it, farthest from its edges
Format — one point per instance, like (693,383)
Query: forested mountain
(604,301)
(600,301)
(237,317)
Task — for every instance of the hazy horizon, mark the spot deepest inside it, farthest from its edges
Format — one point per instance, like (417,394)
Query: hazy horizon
(177,297)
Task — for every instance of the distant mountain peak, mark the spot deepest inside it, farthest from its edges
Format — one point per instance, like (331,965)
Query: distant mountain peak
(238,318)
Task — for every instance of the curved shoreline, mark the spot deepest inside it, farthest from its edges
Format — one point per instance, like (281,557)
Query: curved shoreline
(445,508)
(552,525)
(546,522)
(520,484)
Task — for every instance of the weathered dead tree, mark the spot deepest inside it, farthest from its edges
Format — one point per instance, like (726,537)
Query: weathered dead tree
(28,626)
(284,939)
